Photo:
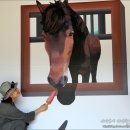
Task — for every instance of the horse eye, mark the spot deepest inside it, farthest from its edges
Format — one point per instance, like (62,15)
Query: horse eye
(66,24)
(71,33)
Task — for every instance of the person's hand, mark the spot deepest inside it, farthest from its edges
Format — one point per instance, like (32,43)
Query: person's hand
(42,108)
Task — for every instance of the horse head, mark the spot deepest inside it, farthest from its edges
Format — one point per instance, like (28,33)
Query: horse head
(58,35)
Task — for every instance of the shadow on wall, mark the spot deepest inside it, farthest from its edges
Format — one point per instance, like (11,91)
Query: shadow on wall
(63,126)
(66,94)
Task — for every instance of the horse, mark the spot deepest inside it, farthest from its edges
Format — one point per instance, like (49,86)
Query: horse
(68,44)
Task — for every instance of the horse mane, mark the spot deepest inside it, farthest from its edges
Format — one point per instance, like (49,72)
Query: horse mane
(80,34)
(55,20)
(56,23)
(79,26)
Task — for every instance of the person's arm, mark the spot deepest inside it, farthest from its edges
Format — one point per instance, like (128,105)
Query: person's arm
(31,115)
(42,108)
(12,112)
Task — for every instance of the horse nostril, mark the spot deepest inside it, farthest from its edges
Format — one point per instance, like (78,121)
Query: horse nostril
(62,82)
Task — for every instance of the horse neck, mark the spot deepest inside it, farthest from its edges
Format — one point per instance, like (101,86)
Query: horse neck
(80,34)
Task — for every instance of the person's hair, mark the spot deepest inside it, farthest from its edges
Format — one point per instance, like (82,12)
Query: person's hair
(8,100)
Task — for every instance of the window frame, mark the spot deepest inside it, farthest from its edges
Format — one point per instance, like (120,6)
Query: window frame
(119,84)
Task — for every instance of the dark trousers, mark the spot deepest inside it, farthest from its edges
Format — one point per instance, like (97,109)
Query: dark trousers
(14,125)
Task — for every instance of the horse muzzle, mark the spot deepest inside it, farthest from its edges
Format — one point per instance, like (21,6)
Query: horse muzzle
(62,82)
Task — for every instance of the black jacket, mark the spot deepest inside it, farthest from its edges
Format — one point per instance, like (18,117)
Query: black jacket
(11,116)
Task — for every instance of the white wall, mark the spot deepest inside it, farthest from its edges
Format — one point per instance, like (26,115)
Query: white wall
(86,112)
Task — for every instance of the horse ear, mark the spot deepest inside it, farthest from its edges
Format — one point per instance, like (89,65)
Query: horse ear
(39,5)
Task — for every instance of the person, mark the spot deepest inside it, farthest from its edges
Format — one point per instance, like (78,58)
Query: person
(11,118)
